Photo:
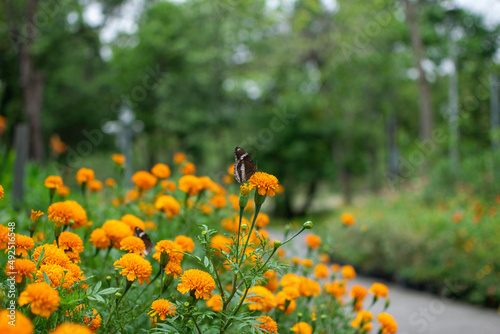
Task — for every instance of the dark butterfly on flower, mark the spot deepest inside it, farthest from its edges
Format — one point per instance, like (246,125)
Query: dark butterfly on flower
(145,238)
(244,166)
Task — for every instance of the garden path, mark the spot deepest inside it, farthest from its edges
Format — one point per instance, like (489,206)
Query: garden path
(418,312)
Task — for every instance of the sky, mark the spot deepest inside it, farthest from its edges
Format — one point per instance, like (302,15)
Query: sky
(129,13)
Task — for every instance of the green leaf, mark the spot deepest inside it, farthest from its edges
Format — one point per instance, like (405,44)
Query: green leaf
(108,291)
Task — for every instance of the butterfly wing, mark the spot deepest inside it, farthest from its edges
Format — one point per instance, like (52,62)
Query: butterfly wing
(145,238)
(244,167)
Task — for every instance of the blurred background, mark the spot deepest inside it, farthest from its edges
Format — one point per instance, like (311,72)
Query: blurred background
(386,108)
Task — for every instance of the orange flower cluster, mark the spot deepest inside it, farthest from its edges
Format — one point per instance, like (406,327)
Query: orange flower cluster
(162,308)
(134,267)
(116,231)
(389,326)
(261,299)
(144,180)
(53,182)
(22,268)
(43,299)
(133,244)
(168,205)
(197,282)
(94,185)
(347,219)
(119,159)
(84,175)
(363,321)
(133,222)
(268,324)
(67,212)
(161,171)
(266,184)
(313,241)
(72,244)
(215,303)
(23,323)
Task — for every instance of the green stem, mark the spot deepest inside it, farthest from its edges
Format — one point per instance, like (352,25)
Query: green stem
(302,230)
(196,324)
(257,209)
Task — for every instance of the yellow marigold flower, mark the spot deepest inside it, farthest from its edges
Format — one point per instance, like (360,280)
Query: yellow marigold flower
(290,280)
(161,171)
(268,324)
(348,272)
(116,231)
(119,159)
(218,201)
(302,328)
(168,185)
(99,239)
(173,269)
(321,271)
(22,268)
(134,267)
(162,308)
(221,243)
(23,244)
(215,303)
(168,205)
(62,213)
(307,263)
(1,192)
(260,298)
(144,180)
(55,273)
(170,248)
(313,241)
(347,219)
(389,326)
(336,288)
(23,324)
(379,290)
(51,255)
(362,320)
(93,323)
(197,282)
(110,182)
(283,299)
(43,299)
(131,195)
(133,222)
(179,157)
(186,243)
(63,191)
(84,175)
(70,328)
(188,168)
(190,185)
(4,236)
(309,287)
(94,185)
(266,184)
(359,292)
(133,244)
(53,181)
(35,215)
(70,241)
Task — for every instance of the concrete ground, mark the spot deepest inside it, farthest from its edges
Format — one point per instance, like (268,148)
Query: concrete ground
(418,312)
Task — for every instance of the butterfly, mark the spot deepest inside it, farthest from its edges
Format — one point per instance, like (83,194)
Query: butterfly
(145,238)
(244,166)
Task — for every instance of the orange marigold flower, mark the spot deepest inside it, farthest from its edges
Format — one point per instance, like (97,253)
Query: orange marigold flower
(53,181)
(227,179)
(221,243)
(218,201)
(55,273)
(63,191)
(389,326)
(325,258)
(260,298)
(99,239)
(206,209)
(266,184)
(363,320)
(215,303)
(134,267)
(161,171)
(1,192)
(230,169)
(35,215)
(168,205)
(116,231)
(144,180)
(110,182)
(307,263)
(62,213)
(70,328)
(133,222)
(84,175)
(359,292)
(133,244)
(290,280)
(268,324)
(22,268)
(43,299)
(118,158)
(262,220)
(285,302)
(173,269)
(197,282)
(162,308)
(93,323)
(313,241)
(302,328)
(170,248)
(188,168)
(131,195)
(347,219)
(179,157)
(348,272)
(94,185)
(168,185)
(379,290)
(190,185)
(337,288)
(70,241)
(321,271)
(51,255)
(4,236)
(23,324)
(23,244)
(309,287)
(186,243)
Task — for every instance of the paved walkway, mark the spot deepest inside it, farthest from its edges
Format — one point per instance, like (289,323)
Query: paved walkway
(419,312)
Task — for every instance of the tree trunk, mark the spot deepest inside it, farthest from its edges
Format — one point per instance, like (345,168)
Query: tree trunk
(311,191)
(426,115)
(346,187)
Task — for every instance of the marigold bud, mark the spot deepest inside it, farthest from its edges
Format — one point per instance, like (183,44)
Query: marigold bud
(308,225)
